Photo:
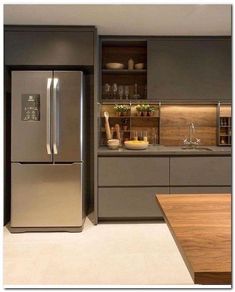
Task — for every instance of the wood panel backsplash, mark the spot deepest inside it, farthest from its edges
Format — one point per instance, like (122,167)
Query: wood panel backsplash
(175,120)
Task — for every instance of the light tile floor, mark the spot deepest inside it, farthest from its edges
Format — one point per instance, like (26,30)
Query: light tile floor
(106,254)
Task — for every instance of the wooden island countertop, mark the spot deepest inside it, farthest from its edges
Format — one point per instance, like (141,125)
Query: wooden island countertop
(201,227)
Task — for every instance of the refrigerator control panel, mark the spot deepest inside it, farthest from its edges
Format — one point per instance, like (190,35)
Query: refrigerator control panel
(30,107)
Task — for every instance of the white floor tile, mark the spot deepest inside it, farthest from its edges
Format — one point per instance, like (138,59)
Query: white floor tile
(106,254)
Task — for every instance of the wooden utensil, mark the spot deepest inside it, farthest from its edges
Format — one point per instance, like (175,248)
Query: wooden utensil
(112,131)
(117,128)
(107,127)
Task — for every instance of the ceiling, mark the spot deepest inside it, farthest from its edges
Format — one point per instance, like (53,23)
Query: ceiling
(128,19)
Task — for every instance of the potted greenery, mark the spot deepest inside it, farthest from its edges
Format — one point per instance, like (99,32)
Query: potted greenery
(145,110)
(121,110)
(142,109)
(138,110)
(151,111)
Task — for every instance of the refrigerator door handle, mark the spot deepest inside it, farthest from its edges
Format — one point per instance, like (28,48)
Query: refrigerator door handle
(48,118)
(55,116)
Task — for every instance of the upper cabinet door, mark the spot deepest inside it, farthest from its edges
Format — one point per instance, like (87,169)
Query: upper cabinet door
(49,48)
(189,69)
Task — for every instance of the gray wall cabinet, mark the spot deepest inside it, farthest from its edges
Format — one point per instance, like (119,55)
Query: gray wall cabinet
(130,202)
(133,171)
(49,47)
(200,171)
(197,68)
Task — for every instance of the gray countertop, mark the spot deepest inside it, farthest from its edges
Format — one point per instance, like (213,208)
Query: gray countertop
(166,150)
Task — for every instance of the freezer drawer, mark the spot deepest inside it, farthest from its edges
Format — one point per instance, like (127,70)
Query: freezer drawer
(46,195)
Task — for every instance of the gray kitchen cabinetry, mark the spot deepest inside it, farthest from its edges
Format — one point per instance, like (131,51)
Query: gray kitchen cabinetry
(133,171)
(51,46)
(200,171)
(128,185)
(200,190)
(192,68)
(134,202)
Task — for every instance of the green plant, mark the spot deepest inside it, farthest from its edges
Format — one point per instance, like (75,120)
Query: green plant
(151,109)
(143,107)
(138,108)
(120,108)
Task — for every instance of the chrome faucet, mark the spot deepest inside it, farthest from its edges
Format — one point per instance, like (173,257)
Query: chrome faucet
(191,141)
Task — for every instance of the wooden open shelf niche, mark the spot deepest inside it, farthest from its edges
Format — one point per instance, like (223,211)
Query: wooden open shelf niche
(120,51)
(224,125)
(130,122)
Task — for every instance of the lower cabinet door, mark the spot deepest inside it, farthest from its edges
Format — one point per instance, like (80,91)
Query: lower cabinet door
(129,203)
(200,190)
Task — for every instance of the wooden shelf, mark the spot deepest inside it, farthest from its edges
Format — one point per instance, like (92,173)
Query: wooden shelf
(129,101)
(124,101)
(125,131)
(124,71)
(133,117)
(145,117)
(119,117)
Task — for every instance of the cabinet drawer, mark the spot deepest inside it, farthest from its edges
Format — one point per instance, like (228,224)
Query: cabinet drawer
(48,48)
(129,202)
(200,171)
(200,190)
(132,171)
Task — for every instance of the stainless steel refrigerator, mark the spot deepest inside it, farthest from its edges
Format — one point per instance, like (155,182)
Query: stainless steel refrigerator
(47,151)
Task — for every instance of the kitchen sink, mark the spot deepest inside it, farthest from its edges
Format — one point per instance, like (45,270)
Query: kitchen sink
(197,149)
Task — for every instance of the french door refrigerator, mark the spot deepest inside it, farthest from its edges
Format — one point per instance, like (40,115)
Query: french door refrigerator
(47,153)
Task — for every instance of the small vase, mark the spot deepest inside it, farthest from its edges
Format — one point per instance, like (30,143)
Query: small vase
(130,64)
(145,114)
(138,114)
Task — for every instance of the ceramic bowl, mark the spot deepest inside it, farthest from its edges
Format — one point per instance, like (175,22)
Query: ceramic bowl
(139,66)
(114,66)
(136,145)
(113,144)
(113,147)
